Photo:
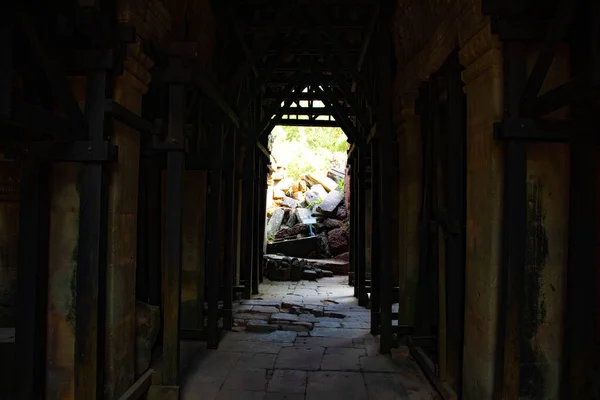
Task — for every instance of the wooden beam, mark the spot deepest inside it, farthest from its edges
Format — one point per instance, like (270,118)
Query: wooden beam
(366,42)
(309,123)
(262,45)
(338,112)
(32,281)
(91,250)
(213,229)
(140,387)
(171,277)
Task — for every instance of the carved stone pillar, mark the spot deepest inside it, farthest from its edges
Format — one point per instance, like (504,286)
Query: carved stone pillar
(410,205)
(481,56)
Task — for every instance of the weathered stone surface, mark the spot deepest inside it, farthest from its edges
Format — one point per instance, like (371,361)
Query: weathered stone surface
(292,220)
(146,332)
(289,202)
(280,273)
(338,241)
(320,190)
(285,184)
(283,317)
(298,196)
(249,316)
(341,211)
(323,249)
(326,182)
(301,247)
(327,274)
(278,194)
(311,196)
(301,326)
(287,381)
(303,214)
(330,224)
(260,326)
(343,257)
(275,222)
(294,231)
(331,202)
(264,310)
(309,275)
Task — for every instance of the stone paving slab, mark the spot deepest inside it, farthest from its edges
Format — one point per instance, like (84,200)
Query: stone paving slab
(329,363)
(288,381)
(300,358)
(335,385)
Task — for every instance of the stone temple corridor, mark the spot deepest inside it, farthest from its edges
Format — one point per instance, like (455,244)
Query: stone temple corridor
(337,359)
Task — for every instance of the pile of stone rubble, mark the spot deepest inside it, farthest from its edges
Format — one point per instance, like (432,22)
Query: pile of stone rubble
(263,316)
(308,218)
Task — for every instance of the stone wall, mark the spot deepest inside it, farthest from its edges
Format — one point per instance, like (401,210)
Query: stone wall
(427,33)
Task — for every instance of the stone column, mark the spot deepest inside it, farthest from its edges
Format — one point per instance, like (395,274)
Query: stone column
(411,189)
(123,178)
(483,77)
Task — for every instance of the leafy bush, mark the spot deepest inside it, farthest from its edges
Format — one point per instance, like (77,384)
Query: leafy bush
(308,149)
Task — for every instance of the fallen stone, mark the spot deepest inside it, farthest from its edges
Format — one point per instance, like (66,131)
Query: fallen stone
(278,194)
(275,222)
(323,249)
(302,187)
(260,326)
(299,197)
(330,224)
(334,314)
(301,247)
(309,275)
(284,184)
(277,176)
(402,353)
(331,202)
(264,310)
(292,220)
(320,190)
(294,310)
(338,241)
(341,211)
(327,183)
(343,257)
(281,273)
(327,274)
(291,203)
(316,311)
(303,214)
(257,302)
(249,316)
(286,305)
(298,229)
(319,272)
(311,196)
(283,317)
(297,327)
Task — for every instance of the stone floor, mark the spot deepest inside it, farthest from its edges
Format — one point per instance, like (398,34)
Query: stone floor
(336,359)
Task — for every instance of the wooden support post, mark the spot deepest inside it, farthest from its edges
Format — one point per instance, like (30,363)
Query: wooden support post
(361,222)
(230,183)
(385,174)
(581,314)
(247,223)
(32,276)
(353,233)
(455,225)
(213,229)
(262,203)
(256,239)
(91,251)
(375,240)
(171,277)
(154,235)
(6,49)
(514,223)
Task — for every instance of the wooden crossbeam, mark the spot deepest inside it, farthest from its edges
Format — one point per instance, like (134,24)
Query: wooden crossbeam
(564,15)
(366,42)
(240,35)
(262,46)
(56,78)
(317,123)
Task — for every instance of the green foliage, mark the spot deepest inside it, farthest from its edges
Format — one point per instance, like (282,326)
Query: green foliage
(309,150)
(314,203)
(341,186)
